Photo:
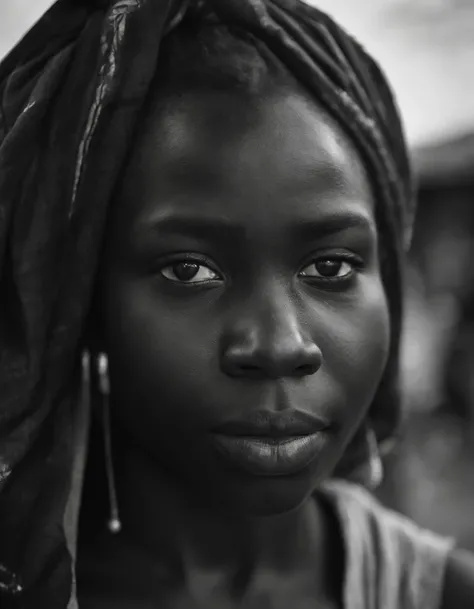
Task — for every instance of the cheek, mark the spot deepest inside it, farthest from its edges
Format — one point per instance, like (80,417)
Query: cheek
(160,359)
(355,348)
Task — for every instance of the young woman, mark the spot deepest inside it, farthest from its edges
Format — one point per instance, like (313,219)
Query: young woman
(206,204)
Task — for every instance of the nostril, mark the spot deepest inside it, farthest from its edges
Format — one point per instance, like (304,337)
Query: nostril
(250,370)
(306,369)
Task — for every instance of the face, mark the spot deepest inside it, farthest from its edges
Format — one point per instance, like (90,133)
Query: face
(242,304)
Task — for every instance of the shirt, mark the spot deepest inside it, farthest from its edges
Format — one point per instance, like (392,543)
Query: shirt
(391,563)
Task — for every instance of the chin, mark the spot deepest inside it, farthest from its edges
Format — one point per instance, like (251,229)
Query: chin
(259,496)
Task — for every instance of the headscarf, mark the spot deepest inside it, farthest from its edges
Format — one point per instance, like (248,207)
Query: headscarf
(71,94)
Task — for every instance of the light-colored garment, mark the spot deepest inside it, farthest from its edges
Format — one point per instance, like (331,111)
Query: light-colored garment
(391,563)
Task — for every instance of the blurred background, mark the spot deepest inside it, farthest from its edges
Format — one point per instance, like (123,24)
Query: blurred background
(427,49)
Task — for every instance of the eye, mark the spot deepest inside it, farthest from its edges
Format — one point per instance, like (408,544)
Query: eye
(330,269)
(188,271)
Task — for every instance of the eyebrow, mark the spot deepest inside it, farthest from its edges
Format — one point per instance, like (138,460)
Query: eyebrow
(223,229)
(333,224)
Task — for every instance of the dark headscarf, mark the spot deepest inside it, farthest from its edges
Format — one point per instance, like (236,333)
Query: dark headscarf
(71,94)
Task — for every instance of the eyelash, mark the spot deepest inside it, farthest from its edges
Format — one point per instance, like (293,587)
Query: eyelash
(355,261)
(192,259)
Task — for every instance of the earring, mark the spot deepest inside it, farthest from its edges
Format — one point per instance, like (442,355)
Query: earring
(375,465)
(114,524)
(362,462)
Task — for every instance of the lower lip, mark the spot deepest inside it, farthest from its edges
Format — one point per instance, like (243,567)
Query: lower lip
(271,456)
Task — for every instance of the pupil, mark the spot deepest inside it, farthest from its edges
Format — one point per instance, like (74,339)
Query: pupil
(185,270)
(328,268)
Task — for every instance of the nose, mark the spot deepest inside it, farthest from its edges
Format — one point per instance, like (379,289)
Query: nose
(270,344)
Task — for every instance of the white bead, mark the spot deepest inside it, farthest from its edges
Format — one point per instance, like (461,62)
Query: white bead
(114,525)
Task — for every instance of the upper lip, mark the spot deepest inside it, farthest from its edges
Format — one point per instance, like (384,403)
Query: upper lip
(265,423)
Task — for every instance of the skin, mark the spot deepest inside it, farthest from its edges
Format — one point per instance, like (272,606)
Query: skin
(258,327)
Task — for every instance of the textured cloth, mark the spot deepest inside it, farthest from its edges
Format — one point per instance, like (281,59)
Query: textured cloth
(391,563)
(71,94)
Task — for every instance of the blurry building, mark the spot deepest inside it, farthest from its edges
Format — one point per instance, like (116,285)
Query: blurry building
(430,476)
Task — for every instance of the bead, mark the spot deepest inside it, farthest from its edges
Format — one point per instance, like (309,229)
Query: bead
(9,584)
(114,525)
(103,370)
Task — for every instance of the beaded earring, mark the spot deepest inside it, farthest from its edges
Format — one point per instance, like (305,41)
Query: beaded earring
(114,523)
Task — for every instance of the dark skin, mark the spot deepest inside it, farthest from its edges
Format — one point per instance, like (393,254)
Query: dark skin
(241,271)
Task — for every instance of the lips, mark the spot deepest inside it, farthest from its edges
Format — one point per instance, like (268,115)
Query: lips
(272,444)
(264,423)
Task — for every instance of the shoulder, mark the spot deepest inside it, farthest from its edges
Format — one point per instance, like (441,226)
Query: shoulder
(403,564)
(358,506)
(458,592)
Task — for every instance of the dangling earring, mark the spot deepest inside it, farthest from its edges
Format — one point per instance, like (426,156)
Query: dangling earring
(362,463)
(375,473)
(114,524)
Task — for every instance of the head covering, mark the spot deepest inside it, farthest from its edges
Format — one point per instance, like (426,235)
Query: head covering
(71,94)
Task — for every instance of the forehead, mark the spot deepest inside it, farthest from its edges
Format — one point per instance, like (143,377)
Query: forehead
(227,154)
